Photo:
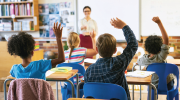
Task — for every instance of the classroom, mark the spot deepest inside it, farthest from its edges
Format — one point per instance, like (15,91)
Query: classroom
(89,49)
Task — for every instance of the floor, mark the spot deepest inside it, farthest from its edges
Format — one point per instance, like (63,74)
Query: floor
(144,95)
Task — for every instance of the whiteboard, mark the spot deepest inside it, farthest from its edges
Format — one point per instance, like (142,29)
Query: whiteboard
(167,10)
(104,10)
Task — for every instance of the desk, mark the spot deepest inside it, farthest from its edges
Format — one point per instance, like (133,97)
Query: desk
(57,76)
(142,81)
(174,61)
(135,81)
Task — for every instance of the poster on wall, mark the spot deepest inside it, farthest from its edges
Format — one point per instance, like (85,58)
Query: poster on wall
(44,31)
(55,12)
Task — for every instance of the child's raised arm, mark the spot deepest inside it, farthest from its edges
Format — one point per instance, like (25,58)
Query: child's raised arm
(58,32)
(163,31)
(92,52)
(132,44)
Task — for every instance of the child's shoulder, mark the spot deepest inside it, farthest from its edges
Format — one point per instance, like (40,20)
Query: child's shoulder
(16,65)
(79,49)
(40,61)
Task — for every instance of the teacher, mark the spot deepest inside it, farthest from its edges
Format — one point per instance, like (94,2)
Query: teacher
(87,25)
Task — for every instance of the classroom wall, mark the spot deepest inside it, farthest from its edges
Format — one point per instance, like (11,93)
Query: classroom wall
(36,34)
(52,46)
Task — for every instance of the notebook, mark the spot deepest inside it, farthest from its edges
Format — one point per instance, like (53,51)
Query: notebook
(61,69)
(140,74)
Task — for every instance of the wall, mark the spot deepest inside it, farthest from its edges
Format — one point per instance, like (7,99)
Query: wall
(52,46)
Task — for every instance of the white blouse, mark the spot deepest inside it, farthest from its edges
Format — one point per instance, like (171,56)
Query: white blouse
(90,24)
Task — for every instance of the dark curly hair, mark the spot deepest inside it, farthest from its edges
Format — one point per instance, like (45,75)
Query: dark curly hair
(21,45)
(153,44)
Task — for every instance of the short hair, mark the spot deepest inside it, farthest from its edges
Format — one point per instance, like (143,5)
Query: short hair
(21,45)
(86,7)
(153,44)
(106,44)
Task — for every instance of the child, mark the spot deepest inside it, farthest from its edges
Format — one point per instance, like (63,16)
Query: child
(110,69)
(23,45)
(77,54)
(158,50)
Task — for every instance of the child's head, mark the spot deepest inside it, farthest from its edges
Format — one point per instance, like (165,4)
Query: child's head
(106,45)
(21,45)
(73,41)
(153,44)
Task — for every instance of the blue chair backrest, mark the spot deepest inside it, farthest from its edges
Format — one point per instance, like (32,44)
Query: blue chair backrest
(163,70)
(80,68)
(104,91)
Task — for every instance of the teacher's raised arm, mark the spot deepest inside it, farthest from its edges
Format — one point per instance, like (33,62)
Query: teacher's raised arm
(87,26)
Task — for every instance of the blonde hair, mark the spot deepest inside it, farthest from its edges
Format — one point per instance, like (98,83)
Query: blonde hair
(106,44)
(73,41)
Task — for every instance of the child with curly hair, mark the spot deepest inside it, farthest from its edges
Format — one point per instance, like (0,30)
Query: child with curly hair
(158,50)
(23,45)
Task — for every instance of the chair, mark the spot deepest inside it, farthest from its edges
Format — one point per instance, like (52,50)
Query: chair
(163,70)
(30,89)
(104,91)
(66,90)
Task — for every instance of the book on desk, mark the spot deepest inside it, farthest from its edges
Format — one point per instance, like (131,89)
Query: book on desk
(140,74)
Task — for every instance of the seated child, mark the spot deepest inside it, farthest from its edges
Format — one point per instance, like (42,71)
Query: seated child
(110,69)
(158,50)
(77,54)
(23,45)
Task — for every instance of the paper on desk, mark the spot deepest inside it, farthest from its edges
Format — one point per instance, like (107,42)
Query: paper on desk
(49,73)
(141,74)
(87,60)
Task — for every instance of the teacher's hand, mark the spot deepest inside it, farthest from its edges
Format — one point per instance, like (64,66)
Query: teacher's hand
(93,34)
(83,27)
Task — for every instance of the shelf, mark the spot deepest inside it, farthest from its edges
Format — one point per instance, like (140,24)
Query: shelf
(16,2)
(16,31)
(17,16)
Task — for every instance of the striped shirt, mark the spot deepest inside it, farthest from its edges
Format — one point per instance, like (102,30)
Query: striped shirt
(78,55)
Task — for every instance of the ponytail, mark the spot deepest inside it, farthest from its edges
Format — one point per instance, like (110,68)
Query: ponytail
(73,41)
(72,48)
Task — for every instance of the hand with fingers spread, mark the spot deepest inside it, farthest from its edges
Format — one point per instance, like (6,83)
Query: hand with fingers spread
(57,30)
(156,20)
(61,57)
(117,23)
(93,34)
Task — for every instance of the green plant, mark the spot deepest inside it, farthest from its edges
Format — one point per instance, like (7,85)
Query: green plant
(65,46)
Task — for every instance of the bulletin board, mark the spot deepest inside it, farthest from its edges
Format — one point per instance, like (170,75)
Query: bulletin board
(63,12)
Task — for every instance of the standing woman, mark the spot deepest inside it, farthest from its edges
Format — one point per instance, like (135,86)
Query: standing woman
(87,25)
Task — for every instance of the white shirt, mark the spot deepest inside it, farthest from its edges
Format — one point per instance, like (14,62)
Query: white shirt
(90,24)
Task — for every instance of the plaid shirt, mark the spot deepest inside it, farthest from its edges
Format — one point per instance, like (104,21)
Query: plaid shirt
(111,70)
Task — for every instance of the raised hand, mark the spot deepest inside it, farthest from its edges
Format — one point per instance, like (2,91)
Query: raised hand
(93,34)
(156,20)
(57,30)
(117,23)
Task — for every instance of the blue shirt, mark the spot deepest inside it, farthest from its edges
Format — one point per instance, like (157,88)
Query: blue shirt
(36,69)
(111,70)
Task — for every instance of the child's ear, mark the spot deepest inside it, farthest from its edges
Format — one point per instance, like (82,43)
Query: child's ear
(32,53)
(96,49)
(115,51)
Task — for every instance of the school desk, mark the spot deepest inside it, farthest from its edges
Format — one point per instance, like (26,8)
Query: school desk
(57,76)
(134,81)
(174,61)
